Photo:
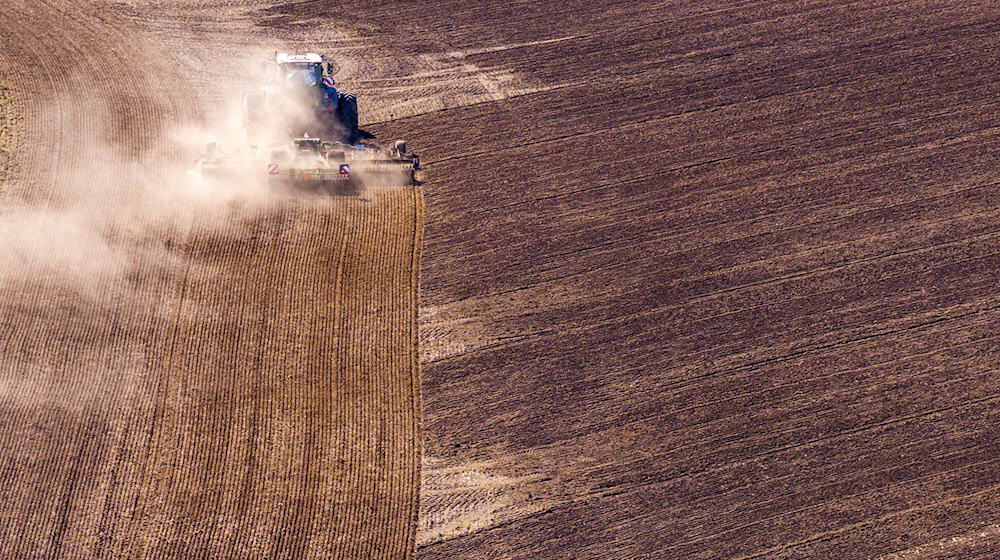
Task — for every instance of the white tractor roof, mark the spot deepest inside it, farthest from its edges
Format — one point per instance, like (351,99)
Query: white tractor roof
(309,58)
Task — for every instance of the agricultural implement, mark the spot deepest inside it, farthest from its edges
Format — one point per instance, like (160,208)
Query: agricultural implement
(312,164)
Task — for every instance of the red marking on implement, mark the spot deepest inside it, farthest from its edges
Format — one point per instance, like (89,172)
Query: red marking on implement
(345,169)
(328,81)
(272,169)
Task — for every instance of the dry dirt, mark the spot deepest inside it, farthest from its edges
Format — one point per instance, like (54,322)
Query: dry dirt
(699,280)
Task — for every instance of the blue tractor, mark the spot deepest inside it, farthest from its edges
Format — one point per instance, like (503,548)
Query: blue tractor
(301,98)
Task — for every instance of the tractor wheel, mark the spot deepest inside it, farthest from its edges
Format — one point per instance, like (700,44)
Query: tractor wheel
(347,112)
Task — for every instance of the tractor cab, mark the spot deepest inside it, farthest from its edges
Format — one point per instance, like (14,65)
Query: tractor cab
(310,70)
(308,73)
(301,74)
(300,96)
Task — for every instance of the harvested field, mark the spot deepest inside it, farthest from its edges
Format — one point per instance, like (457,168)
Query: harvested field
(699,280)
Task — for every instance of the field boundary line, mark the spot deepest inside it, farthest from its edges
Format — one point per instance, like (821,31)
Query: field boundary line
(415,365)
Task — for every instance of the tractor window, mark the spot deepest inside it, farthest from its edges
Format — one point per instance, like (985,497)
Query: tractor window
(300,75)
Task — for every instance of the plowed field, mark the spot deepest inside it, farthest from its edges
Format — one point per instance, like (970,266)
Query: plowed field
(724,286)
(699,280)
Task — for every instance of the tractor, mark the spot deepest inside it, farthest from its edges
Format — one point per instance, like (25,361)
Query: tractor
(300,97)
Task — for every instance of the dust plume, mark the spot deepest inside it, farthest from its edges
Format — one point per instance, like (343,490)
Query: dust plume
(95,235)
(107,213)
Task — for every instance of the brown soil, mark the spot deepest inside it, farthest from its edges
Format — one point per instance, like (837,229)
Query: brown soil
(9,127)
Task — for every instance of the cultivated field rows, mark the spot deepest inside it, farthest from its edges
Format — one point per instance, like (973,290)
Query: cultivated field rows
(291,406)
(204,378)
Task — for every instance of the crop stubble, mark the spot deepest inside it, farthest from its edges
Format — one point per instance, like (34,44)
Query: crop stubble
(292,406)
(252,391)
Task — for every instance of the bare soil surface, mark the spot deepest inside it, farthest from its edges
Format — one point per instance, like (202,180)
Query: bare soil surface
(9,128)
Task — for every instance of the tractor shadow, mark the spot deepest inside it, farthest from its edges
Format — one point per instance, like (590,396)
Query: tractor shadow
(360,135)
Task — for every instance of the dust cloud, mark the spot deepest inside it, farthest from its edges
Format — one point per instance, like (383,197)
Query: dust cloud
(98,226)
(95,240)
(108,213)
